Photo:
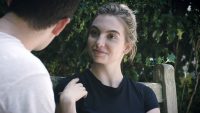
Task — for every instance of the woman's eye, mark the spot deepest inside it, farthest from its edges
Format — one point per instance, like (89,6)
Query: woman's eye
(112,36)
(94,33)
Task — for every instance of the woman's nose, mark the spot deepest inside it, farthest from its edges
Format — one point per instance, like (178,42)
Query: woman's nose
(100,42)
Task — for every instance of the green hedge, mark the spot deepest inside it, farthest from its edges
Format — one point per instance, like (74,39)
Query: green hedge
(167,33)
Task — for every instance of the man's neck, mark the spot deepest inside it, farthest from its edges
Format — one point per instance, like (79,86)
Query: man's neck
(17,27)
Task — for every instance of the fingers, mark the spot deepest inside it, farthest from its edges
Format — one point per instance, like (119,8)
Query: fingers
(85,94)
(79,84)
(74,90)
(74,81)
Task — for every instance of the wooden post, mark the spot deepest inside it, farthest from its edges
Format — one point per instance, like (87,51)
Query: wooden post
(164,74)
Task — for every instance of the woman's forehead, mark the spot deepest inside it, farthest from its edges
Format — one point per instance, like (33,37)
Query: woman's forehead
(108,22)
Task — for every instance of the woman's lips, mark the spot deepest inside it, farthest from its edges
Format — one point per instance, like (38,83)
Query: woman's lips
(98,52)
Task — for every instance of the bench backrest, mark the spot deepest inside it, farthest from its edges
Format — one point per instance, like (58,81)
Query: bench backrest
(163,85)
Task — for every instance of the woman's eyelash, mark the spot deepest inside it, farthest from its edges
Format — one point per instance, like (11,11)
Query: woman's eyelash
(112,36)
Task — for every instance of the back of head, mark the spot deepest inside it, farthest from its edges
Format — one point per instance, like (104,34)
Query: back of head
(41,14)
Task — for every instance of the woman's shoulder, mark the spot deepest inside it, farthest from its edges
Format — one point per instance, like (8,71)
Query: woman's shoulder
(138,85)
(83,76)
(61,82)
(145,93)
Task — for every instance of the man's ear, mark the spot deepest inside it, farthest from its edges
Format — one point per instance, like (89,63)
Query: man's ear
(60,26)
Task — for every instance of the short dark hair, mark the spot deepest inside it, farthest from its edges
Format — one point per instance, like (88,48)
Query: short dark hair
(41,14)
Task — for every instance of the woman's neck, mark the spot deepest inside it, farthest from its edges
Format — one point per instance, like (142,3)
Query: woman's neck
(108,75)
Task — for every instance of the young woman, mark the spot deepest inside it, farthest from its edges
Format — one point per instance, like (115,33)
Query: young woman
(103,88)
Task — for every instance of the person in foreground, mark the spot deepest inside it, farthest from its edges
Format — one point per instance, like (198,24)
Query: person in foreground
(25,85)
(103,88)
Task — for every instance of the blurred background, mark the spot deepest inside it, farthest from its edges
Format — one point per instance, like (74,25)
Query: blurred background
(168,32)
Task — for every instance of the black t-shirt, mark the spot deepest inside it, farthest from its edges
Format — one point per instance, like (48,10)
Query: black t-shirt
(129,97)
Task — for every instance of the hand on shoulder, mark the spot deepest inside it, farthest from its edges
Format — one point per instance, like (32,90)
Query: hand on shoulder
(73,92)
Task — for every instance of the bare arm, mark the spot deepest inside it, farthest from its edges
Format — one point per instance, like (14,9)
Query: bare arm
(72,93)
(155,110)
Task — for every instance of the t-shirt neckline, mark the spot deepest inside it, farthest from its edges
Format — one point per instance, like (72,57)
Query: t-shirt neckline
(104,87)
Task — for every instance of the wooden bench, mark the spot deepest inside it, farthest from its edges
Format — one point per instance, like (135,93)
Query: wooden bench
(164,87)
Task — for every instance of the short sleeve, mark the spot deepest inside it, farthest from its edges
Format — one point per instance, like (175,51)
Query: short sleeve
(150,100)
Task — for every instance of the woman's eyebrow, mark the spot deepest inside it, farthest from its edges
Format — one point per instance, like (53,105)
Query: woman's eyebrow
(114,31)
(109,31)
(93,26)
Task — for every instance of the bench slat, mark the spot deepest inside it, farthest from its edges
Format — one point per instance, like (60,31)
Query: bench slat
(157,88)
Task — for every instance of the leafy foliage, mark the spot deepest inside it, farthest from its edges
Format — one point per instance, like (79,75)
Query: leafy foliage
(168,32)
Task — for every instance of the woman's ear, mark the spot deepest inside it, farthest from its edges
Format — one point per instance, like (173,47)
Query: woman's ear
(128,47)
(60,26)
